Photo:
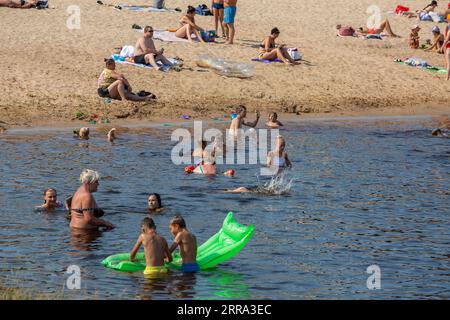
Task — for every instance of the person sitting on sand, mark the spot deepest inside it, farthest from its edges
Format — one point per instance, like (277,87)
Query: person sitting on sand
(18,4)
(154,202)
(239,121)
(438,39)
(156,249)
(187,243)
(50,200)
(83,205)
(277,159)
(188,26)
(414,37)
(206,163)
(273,122)
(384,26)
(82,133)
(268,50)
(445,49)
(114,85)
(145,51)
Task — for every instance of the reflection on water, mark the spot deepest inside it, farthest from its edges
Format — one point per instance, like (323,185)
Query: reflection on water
(360,193)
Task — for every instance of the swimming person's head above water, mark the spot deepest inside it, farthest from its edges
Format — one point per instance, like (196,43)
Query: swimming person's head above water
(177,224)
(90,179)
(154,201)
(50,199)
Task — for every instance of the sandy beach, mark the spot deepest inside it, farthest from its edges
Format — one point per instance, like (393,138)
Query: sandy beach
(49,72)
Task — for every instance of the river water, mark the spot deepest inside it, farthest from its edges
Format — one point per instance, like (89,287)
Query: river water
(364,192)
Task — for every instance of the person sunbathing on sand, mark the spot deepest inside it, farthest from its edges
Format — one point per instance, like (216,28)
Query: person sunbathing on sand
(188,26)
(268,50)
(114,85)
(273,122)
(18,4)
(145,51)
(384,26)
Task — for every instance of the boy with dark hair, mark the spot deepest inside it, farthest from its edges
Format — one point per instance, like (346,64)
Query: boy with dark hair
(187,242)
(156,249)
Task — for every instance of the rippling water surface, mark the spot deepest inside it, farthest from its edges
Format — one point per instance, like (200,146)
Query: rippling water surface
(363,192)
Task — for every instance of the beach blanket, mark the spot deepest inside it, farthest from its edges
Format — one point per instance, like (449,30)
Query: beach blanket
(266,61)
(432,69)
(168,36)
(145,9)
(119,59)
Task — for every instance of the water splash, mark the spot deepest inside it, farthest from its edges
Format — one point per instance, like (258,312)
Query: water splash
(278,184)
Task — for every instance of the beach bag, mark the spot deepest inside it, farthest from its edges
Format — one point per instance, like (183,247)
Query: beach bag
(399,9)
(208,36)
(294,53)
(203,10)
(159,4)
(127,52)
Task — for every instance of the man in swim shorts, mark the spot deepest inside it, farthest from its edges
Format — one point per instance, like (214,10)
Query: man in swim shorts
(145,51)
(187,242)
(156,249)
(228,19)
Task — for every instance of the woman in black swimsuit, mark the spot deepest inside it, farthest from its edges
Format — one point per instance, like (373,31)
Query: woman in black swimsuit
(269,51)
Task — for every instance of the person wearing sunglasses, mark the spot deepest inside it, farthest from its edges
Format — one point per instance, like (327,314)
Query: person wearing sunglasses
(146,53)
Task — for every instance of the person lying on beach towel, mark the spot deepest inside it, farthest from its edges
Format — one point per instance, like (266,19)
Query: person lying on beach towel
(384,26)
(188,26)
(19,4)
(268,50)
(114,85)
(146,53)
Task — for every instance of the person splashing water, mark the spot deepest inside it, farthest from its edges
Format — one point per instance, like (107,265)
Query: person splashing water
(278,185)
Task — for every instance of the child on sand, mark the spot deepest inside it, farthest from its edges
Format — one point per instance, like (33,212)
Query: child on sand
(239,120)
(228,19)
(187,242)
(217,7)
(438,39)
(156,249)
(414,37)
(273,122)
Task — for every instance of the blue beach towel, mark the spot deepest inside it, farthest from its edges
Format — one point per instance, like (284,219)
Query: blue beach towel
(119,59)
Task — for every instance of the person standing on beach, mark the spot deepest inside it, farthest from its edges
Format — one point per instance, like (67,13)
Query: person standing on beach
(83,205)
(230,7)
(145,51)
(217,7)
(445,49)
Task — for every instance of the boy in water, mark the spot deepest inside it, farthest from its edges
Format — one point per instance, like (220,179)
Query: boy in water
(273,121)
(239,120)
(156,249)
(187,242)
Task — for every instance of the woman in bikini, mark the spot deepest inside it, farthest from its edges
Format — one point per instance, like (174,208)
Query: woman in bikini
(82,206)
(188,26)
(269,51)
(206,164)
(384,26)
(218,9)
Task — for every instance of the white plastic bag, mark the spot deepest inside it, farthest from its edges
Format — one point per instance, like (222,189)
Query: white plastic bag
(127,52)
(294,53)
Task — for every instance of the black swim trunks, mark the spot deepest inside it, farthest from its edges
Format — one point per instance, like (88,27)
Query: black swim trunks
(140,59)
(103,92)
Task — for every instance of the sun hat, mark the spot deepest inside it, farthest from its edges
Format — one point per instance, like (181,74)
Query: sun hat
(436,29)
